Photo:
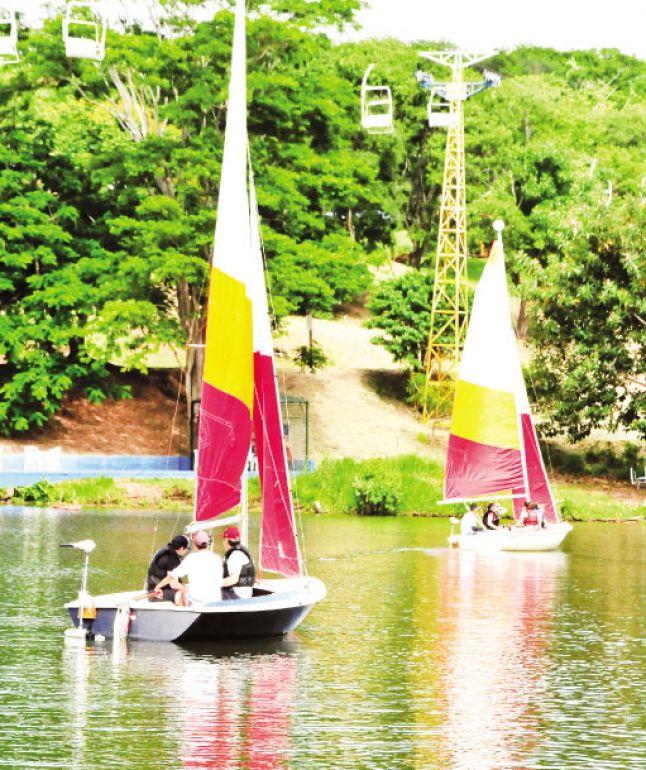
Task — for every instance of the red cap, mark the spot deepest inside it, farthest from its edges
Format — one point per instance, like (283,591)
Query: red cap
(231,533)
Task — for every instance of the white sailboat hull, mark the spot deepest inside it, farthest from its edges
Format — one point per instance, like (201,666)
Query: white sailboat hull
(528,538)
(277,607)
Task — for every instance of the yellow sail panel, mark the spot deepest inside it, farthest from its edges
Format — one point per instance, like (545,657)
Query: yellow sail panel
(229,338)
(485,415)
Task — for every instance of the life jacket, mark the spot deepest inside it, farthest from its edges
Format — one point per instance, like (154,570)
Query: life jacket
(491,517)
(156,572)
(247,572)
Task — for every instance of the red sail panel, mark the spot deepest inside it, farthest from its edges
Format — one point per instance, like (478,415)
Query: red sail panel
(278,546)
(477,470)
(223,446)
(538,485)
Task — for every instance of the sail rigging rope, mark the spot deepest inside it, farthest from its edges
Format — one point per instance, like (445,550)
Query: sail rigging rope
(195,318)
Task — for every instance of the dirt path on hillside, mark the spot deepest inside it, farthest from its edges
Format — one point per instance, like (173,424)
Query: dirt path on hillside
(348,417)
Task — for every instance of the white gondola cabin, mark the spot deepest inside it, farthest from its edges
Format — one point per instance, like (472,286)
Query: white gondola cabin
(84,31)
(376,106)
(439,114)
(8,37)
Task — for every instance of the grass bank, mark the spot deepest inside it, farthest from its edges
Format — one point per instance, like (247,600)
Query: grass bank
(406,485)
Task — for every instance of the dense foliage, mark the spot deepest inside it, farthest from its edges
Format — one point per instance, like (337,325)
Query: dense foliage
(109,180)
(401,310)
(589,319)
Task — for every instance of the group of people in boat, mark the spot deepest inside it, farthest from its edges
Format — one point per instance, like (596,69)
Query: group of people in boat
(531,513)
(210,578)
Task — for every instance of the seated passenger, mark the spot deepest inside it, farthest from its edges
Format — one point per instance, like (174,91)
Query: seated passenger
(531,513)
(203,568)
(166,559)
(239,570)
(491,518)
(470,523)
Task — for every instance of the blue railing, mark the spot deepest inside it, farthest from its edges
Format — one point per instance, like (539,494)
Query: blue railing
(18,470)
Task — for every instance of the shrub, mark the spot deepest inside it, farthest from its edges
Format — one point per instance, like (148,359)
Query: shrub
(40,492)
(375,495)
(600,459)
(313,357)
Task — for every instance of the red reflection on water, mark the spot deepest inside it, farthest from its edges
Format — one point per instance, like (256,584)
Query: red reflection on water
(237,712)
(496,611)
(271,698)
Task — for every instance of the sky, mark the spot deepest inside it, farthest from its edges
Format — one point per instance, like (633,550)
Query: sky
(477,25)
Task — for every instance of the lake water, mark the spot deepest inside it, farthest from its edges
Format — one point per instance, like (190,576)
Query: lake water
(419,657)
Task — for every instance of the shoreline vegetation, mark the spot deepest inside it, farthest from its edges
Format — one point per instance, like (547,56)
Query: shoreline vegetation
(404,486)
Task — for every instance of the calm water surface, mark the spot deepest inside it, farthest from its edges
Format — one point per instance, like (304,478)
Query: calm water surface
(420,657)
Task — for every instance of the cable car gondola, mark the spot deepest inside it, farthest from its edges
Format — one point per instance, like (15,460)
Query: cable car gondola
(84,31)
(8,37)
(376,106)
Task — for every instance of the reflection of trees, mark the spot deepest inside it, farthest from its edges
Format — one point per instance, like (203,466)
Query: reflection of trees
(495,613)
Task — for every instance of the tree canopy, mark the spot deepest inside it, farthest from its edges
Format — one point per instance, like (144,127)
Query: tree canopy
(109,179)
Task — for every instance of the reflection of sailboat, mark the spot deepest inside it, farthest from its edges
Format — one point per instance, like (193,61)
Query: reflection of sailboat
(496,619)
(238,708)
(233,707)
(239,393)
(493,451)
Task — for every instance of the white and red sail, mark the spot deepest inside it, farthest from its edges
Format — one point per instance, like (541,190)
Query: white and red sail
(493,450)
(239,390)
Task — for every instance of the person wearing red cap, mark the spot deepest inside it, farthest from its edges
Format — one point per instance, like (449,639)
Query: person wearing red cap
(203,568)
(239,570)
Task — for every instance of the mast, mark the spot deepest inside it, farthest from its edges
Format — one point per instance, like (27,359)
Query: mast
(244,508)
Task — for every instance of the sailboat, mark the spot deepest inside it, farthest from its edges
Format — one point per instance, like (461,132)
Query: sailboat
(493,452)
(239,400)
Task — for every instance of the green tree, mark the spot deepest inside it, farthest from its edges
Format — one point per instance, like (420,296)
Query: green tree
(50,282)
(589,319)
(401,310)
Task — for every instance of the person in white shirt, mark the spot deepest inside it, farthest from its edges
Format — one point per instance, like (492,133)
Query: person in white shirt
(470,523)
(203,568)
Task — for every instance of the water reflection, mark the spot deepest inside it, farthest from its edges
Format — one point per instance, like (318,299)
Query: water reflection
(77,664)
(418,658)
(496,612)
(228,707)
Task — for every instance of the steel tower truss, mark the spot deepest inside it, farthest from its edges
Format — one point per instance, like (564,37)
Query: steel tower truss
(450,307)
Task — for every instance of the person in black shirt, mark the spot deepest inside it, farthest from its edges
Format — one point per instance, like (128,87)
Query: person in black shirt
(166,559)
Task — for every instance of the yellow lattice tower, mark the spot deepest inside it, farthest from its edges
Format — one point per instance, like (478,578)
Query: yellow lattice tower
(450,306)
